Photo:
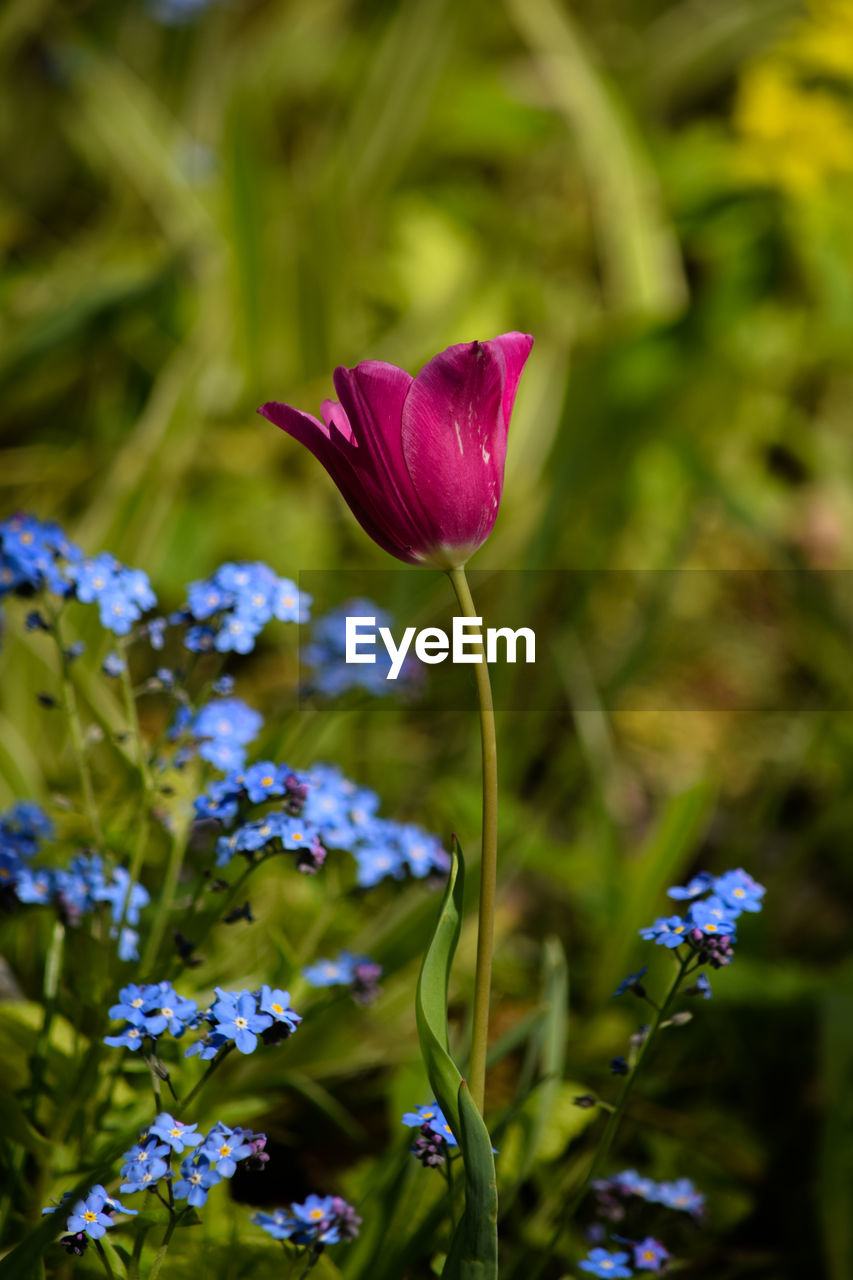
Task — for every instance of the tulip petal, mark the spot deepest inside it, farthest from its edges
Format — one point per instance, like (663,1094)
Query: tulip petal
(302,426)
(420,461)
(373,395)
(349,467)
(516,347)
(454,437)
(336,419)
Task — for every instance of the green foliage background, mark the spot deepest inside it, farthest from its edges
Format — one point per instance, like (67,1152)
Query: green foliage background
(198,217)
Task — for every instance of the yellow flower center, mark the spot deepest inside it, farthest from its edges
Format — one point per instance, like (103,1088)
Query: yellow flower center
(277,1008)
(88,1216)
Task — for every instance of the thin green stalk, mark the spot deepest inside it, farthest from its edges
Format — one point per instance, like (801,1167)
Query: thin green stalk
(489,862)
(177,850)
(155,1085)
(133,720)
(50,990)
(448,1173)
(217,1062)
(225,906)
(69,704)
(144,774)
(615,1117)
(104,1259)
(164,1247)
(313,1259)
(136,1256)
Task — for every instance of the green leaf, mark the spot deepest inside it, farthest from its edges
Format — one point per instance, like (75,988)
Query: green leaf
(431,999)
(188,1218)
(24,1261)
(553,1054)
(474,1250)
(19,1129)
(641,262)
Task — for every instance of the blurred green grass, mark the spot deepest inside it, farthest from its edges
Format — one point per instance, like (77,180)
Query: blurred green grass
(200,217)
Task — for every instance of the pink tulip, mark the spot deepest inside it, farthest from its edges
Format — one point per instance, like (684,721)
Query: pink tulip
(419,461)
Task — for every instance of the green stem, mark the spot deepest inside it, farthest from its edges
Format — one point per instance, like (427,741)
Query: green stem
(615,1117)
(133,720)
(222,907)
(448,1173)
(132,715)
(313,1259)
(50,990)
(177,849)
(164,1247)
(155,1085)
(217,1062)
(104,1259)
(136,1256)
(489,862)
(69,704)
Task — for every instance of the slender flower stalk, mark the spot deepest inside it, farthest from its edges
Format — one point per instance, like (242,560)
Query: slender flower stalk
(138,855)
(164,1247)
(489,862)
(50,990)
(420,462)
(69,704)
(615,1117)
(174,865)
(104,1259)
(215,1063)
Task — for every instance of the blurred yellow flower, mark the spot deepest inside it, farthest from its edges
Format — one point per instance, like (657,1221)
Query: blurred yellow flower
(793,111)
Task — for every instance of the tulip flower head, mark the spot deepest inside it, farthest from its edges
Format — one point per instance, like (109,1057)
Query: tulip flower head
(419,461)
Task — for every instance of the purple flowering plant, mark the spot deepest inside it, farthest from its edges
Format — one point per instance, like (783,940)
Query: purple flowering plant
(221,911)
